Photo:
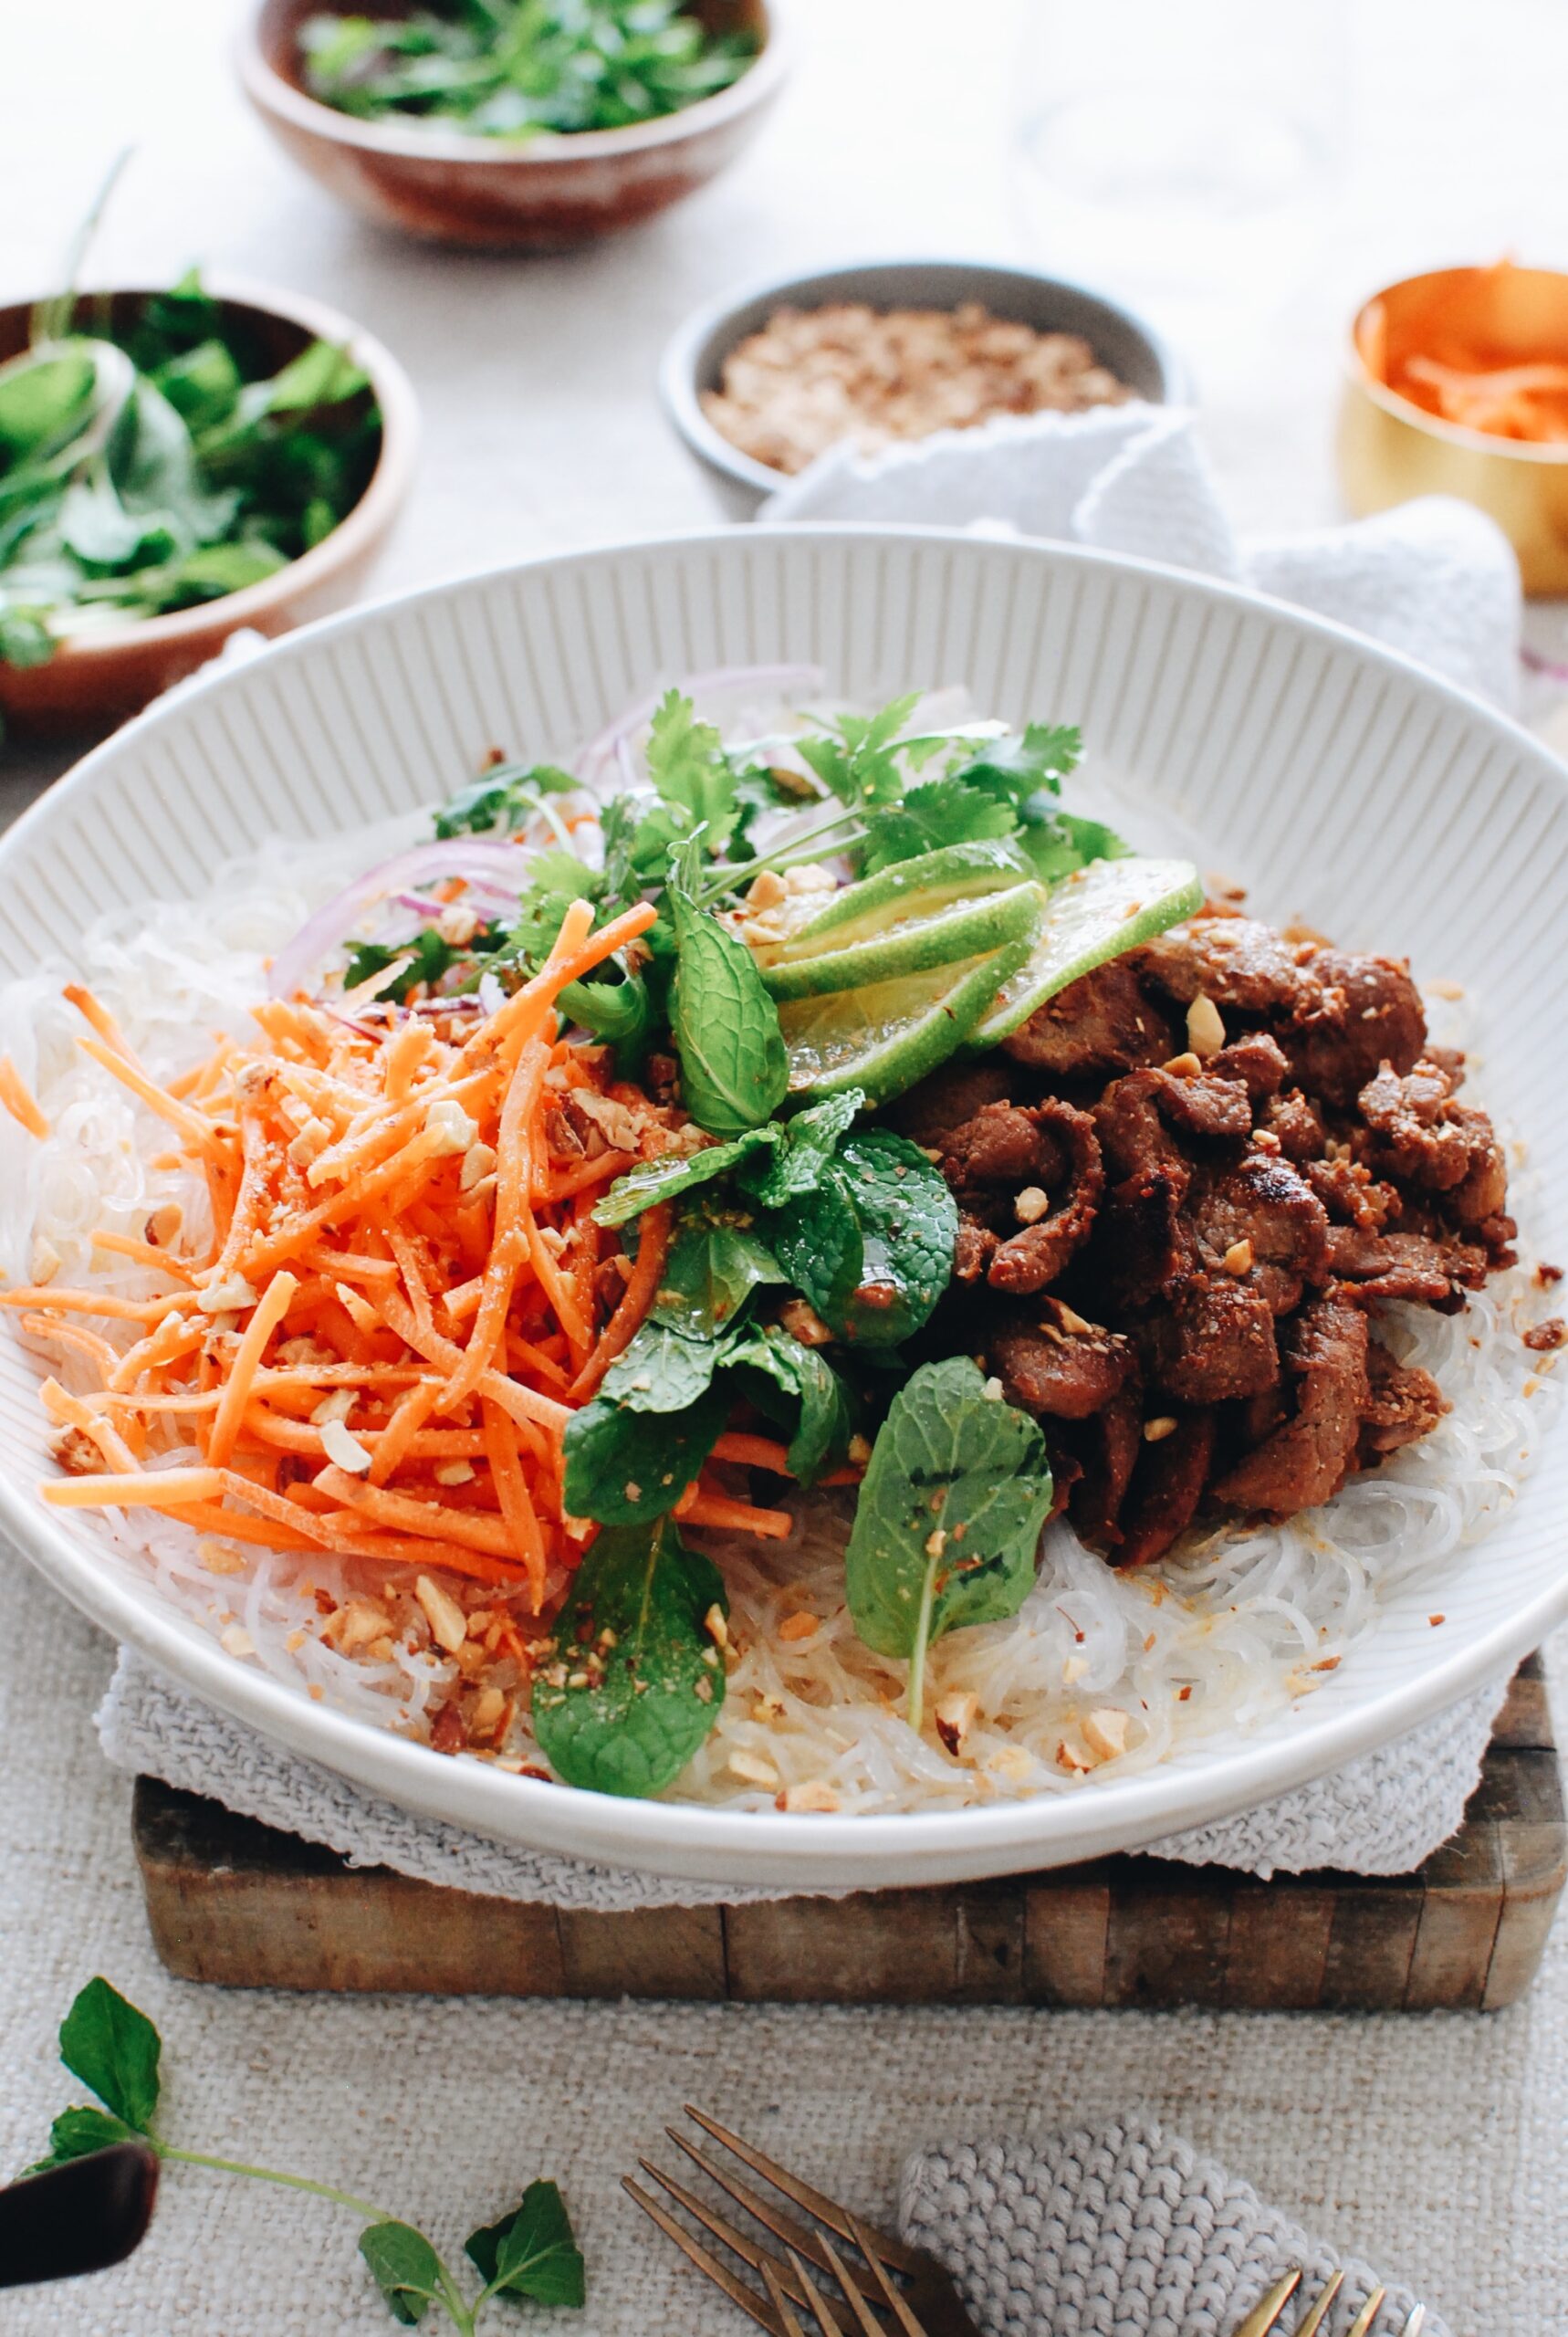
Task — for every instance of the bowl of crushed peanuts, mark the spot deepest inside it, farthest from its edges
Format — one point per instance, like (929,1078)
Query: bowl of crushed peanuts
(763,382)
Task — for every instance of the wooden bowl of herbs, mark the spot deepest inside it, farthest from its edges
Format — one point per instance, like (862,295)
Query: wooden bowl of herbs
(175,466)
(513,124)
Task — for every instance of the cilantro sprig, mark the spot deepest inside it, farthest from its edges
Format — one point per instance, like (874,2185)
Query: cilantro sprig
(528,2253)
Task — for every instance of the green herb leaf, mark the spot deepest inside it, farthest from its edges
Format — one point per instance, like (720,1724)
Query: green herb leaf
(626,1466)
(77,2133)
(799,1389)
(872,1243)
(1059,843)
(859,758)
(663,1370)
(716,1262)
(42,404)
(633,1633)
(806,1142)
(114,2049)
(505,796)
(690,772)
(735,1071)
(681,1172)
(532,2252)
(940,812)
(948,1521)
(407,2269)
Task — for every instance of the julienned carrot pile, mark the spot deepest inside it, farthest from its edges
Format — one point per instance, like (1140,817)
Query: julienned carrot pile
(405,1297)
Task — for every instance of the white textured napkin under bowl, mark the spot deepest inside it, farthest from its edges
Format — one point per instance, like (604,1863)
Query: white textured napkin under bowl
(1380,1816)
(1434,578)
(1122,2232)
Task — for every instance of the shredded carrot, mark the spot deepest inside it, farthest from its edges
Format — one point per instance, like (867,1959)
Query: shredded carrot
(638,1294)
(507,1475)
(708,1506)
(756,1451)
(19,1099)
(146,1253)
(272,1308)
(598,1172)
(147,1489)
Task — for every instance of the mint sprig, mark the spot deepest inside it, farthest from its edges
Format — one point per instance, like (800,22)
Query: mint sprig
(529,2253)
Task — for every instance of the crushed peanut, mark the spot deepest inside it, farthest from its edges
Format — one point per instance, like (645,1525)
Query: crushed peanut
(448,1623)
(954,1717)
(1031,1204)
(814,1798)
(799,1626)
(753,1770)
(1157,1430)
(1105,1733)
(1204,1031)
(1237,1259)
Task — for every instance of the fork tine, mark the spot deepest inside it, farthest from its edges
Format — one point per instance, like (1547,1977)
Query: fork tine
(707,2262)
(865,2319)
(1369,2311)
(1320,2311)
(780,2302)
(815,2203)
(1416,2322)
(750,2250)
(827,2323)
(1265,2314)
(794,2235)
(866,2241)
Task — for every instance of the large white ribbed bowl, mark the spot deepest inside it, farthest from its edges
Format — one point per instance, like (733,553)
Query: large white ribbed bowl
(1345,785)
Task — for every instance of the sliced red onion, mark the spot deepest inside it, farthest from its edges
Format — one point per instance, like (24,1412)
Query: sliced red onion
(724,681)
(421,903)
(467,856)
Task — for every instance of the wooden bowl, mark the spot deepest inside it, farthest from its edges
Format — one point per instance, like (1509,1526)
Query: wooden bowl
(455,187)
(1391,449)
(91,685)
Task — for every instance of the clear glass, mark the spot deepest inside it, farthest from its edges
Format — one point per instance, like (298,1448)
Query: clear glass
(1183,152)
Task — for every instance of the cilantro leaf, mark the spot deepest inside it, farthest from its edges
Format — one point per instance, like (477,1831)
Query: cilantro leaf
(503,796)
(115,2050)
(532,2252)
(1061,842)
(650,1681)
(428,958)
(690,770)
(940,812)
(858,759)
(948,1521)
(872,1243)
(1015,768)
(407,2269)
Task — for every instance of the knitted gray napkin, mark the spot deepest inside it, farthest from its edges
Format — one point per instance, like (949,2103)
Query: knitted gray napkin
(1121,2232)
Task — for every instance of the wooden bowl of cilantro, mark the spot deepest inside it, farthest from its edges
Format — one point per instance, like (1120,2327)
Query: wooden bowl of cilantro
(513,124)
(175,466)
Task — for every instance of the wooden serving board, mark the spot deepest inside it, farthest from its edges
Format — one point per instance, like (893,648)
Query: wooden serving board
(232,1901)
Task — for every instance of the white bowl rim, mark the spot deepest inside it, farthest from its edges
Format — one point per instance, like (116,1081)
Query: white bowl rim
(678,384)
(696,1841)
(274,93)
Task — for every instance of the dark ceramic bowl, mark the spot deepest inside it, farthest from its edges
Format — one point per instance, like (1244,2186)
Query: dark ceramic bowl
(694,362)
(455,188)
(90,684)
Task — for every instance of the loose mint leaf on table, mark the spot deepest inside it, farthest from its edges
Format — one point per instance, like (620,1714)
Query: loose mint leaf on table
(77,2133)
(114,2049)
(676,1173)
(635,1637)
(735,1071)
(407,2269)
(799,1390)
(716,1262)
(806,1145)
(872,1243)
(531,2252)
(949,1518)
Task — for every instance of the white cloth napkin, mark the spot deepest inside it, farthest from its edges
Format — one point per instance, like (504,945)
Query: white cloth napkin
(1434,578)
(1379,1816)
(1118,2233)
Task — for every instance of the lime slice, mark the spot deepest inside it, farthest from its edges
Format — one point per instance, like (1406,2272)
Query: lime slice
(919,888)
(911,943)
(1091,916)
(886,1035)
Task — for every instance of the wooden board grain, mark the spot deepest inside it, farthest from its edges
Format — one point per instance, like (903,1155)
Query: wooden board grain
(231,1901)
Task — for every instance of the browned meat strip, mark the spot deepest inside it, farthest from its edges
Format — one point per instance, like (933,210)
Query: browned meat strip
(1028,1260)
(974,1250)
(1293,1119)
(1102,1023)
(1349,1192)
(1258,1062)
(1435,1273)
(1139,1117)
(1308,1458)
(1427,1140)
(1108,1446)
(1406,1404)
(1063,1375)
(1167,1485)
(1146,1247)
(930,1112)
(1260,1223)
(1215,1341)
(1233,960)
(1001,1146)
(1370,1012)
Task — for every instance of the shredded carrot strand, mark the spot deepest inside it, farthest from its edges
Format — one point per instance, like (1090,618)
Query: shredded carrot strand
(653,1249)
(19,1099)
(507,1474)
(271,1308)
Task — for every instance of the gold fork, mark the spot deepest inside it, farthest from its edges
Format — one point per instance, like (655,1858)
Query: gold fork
(892,2279)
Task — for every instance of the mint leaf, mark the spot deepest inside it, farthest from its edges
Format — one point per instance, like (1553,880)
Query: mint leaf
(532,2252)
(77,2133)
(650,1679)
(627,1467)
(663,1370)
(797,1389)
(407,2269)
(735,1071)
(947,1526)
(806,1145)
(872,1243)
(113,2049)
(716,1262)
(676,1172)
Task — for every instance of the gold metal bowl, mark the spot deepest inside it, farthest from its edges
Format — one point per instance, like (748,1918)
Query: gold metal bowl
(1391,449)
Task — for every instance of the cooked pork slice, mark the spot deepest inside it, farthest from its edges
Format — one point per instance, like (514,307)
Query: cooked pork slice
(1139,1118)
(1167,1485)
(1214,1342)
(951,1096)
(1404,1405)
(1350,1193)
(1102,1023)
(1308,1457)
(1233,960)
(1075,1185)
(1106,1448)
(1390,1265)
(1058,1374)
(1257,1061)
(1422,1136)
(1370,1012)
(1293,1120)
(1262,1224)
